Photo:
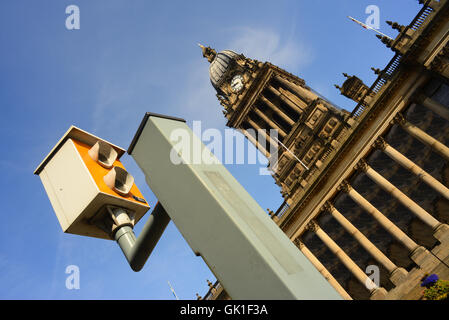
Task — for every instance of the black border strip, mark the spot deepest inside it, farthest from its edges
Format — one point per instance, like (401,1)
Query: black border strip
(144,122)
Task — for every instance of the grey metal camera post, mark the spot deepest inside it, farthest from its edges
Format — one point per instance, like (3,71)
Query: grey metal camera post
(222,223)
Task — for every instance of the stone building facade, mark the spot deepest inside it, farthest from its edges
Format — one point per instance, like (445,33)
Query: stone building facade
(363,190)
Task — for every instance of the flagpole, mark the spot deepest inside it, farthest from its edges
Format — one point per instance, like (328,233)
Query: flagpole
(289,151)
(172,290)
(368,27)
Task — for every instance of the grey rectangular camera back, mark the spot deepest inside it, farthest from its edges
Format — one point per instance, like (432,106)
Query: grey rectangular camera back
(243,247)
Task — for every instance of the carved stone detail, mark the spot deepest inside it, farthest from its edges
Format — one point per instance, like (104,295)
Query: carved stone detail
(362,165)
(345,186)
(399,119)
(441,61)
(380,143)
(298,242)
(327,207)
(312,226)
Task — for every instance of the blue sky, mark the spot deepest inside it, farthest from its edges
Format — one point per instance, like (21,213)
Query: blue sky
(127,58)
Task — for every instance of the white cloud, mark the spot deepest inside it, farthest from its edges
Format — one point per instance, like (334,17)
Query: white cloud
(107,108)
(267,45)
(198,101)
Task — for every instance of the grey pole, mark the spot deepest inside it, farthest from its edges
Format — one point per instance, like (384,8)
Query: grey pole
(247,252)
(138,250)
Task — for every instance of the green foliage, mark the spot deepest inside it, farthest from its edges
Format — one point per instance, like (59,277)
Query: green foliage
(439,291)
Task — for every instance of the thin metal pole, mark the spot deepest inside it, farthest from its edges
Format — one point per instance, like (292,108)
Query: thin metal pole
(172,290)
(288,150)
(368,27)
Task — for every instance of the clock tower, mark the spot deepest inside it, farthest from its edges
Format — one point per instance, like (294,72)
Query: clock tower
(298,128)
(366,189)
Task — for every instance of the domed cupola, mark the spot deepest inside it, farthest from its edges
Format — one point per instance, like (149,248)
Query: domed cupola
(220,64)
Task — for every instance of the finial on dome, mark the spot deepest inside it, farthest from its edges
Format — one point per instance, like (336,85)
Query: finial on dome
(208,52)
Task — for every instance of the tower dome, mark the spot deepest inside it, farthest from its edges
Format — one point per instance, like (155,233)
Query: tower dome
(220,65)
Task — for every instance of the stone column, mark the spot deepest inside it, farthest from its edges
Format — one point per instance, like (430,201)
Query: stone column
(397,274)
(420,255)
(395,231)
(256,143)
(422,214)
(270,122)
(416,132)
(286,99)
(436,107)
(412,167)
(376,292)
(322,269)
(307,95)
(263,132)
(277,110)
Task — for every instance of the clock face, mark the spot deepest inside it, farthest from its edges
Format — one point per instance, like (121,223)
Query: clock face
(237,83)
